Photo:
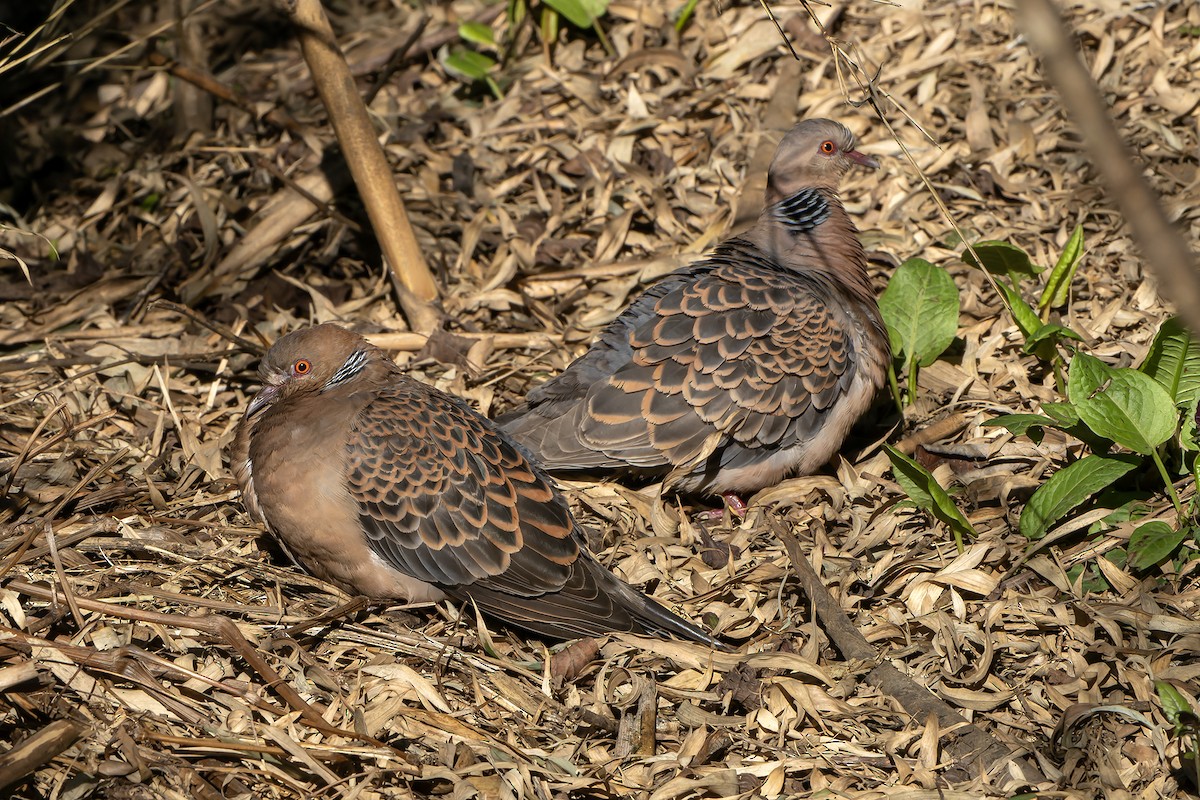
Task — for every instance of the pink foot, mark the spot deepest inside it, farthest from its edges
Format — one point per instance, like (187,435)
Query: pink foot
(736,505)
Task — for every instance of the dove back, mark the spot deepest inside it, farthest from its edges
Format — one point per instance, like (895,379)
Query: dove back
(733,373)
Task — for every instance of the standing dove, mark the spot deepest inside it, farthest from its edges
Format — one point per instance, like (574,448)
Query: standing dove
(389,488)
(728,375)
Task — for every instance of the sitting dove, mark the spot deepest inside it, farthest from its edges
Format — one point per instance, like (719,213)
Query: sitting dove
(747,367)
(387,487)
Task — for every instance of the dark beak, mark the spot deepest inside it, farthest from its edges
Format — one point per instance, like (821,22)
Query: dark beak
(261,400)
(862,159)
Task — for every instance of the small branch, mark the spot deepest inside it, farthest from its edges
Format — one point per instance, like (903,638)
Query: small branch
(415,287)
(1161,242)
(34,751)
(222,628)
(965,742)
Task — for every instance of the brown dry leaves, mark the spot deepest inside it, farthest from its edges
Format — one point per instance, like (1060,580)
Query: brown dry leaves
(543,214)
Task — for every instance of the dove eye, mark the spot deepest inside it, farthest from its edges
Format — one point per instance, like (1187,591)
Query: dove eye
(302,367)
(828,147)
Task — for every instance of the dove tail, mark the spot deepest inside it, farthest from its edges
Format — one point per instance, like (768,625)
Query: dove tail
(657,619)
(653,617)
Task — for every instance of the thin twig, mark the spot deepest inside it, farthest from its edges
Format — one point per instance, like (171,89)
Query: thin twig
(1162,244)
(417,290)
(965,741)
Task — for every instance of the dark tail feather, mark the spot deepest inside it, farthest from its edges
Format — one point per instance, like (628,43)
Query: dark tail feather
(606,605)
(656,619)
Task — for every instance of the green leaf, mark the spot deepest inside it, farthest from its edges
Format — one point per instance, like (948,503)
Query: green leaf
(517,11)
(1153,542)
(1025,317)
(920,307)
(1069,487)
(1063,413)
(1002,258)
(1175,706)
(1188,438)
(1124,405)
(469,64)
(549,25)
(580,13)
(477,33)
(685,14)
(1049,332)
(1129,511)
(1059,283)
(1174,361)
(1020,424)
(923,489)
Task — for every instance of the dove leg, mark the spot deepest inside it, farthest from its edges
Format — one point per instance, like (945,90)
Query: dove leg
(736,505)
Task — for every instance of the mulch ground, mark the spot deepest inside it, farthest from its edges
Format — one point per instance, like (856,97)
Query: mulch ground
(160,644)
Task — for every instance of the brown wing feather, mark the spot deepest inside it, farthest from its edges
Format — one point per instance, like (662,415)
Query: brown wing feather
(448,499)
(767,355)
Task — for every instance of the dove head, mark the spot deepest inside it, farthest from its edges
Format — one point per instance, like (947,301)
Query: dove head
(311,360)
(817,152)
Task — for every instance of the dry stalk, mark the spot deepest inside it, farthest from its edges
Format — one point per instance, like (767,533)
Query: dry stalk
(1161,242)
(967,743)
(416,287)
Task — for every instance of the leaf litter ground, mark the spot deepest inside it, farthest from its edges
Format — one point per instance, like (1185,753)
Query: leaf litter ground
(542,214)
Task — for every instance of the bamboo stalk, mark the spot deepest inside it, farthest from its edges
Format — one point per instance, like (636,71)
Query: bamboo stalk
(415,285)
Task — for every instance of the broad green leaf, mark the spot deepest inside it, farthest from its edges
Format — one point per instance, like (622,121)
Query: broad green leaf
(1048,332)
(1175,706)
(580,13)
(477,33)
(1063,413)
(1124,405)
(1088,578)
(1129,511)
(920,307)
(1174,361)
(1069,487)
(549,26)
(469,64)
(1020,424)
(1025,317)
(1153,542)
(1002,258)
(1059,283)
(923,489)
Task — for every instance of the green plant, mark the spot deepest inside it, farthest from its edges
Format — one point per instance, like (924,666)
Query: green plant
(920,308)
(1184,723)
(582,14)
(1142,410)
(472,62)
(1009,265)
(924,490)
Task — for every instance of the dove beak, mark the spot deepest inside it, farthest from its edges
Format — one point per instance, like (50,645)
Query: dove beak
(263,399)
(862,159)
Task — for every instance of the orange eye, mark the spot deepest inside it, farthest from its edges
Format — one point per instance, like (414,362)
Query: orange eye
(828,147)
(302,367)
